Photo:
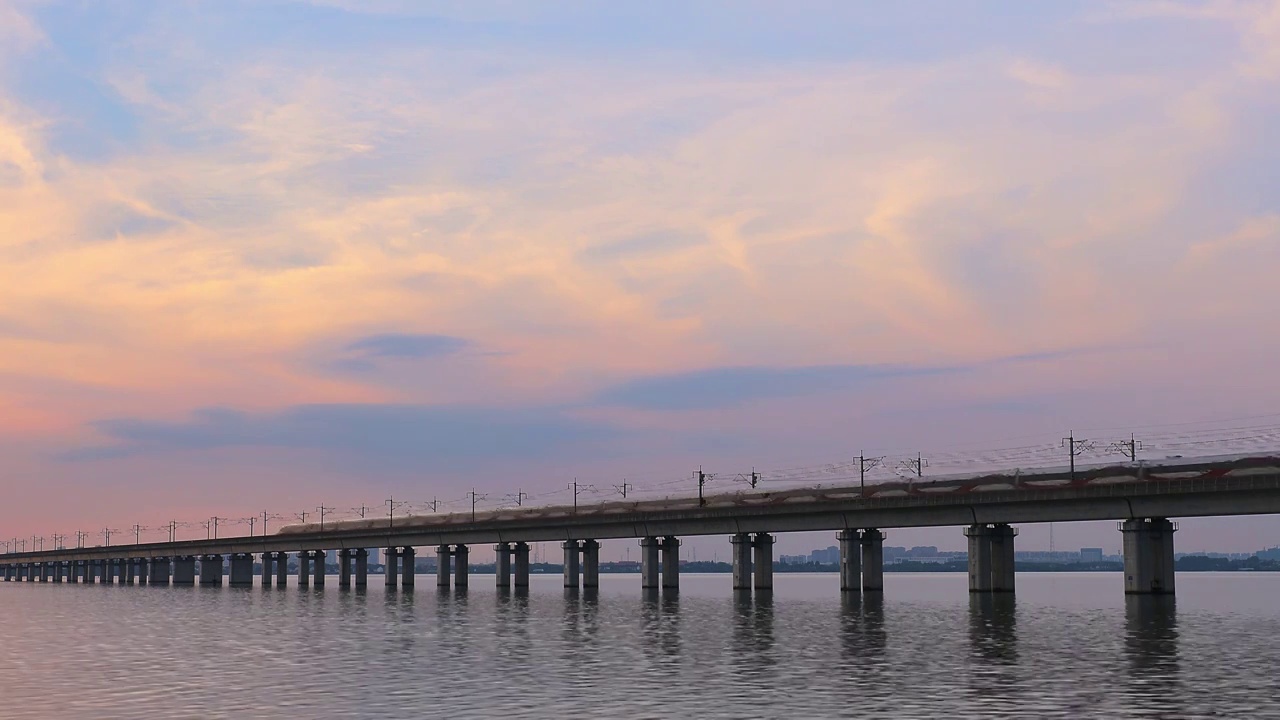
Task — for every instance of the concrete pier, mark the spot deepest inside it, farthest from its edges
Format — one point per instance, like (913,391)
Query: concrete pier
(391,566)
(304,569)
(317,568)
(159,572)
(850,560)
(502,565)
(763,565)
(444,566)
(344,569)
(991,558)
(521,552)
(362,568)
(590,563)
(461,566)
(57,572)
(670,563)
(408,567)
(211,570)
(571,550)
(741,550)
(1002,555)
(979,558)
(241,570)
(1148,556)
(108,576)
(872,543)
(649,547)
(268,569)
(184,570)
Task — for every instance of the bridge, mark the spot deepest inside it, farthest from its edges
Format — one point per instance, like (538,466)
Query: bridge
(1141,496)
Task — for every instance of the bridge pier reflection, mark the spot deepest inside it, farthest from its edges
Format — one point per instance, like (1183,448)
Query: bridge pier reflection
(1151,645)
(993,626)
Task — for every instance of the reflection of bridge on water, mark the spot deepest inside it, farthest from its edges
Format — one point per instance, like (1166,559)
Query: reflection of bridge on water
(1142,496)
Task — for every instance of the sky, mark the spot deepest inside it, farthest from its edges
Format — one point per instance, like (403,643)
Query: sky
(276,256)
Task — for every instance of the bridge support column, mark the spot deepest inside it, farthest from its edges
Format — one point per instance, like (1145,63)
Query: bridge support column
(590,563)
(211,570)
(318,558)
(344,569)
(521,552)
(144,571)
(850,560)
(391,566)
(304,569)
(241,570)
(362,568)
(109,571)
(571,550)
(268,568)
(159,573)
(184,570)
(502,565)
(444,566)
(763,570)
(1003,576)
(461,566)
(979,558)
(408,567)
(741,545)
(649,563)
(57,572)
(670,563)
(128,571)
(1148,556)
(872,542)
(282,569)
(92,571)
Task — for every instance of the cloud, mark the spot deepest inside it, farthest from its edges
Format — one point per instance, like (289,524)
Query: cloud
(646,244)
(379,436)
(735,386)
(399,345)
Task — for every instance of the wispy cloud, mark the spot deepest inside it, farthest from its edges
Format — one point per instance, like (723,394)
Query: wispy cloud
(380,436)
(400,345)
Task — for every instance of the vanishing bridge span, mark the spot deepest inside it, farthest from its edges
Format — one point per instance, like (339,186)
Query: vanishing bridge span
(1143,496)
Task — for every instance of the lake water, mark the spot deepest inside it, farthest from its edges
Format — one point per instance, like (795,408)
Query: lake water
(1068,646)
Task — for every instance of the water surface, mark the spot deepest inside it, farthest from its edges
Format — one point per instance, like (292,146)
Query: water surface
(1069,645)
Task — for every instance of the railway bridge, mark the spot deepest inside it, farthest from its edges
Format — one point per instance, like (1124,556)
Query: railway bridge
(1143,497)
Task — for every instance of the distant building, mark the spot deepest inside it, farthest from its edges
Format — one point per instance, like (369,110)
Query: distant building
(892,553)
(331,557)
(1061,556)
(793,559)
(1269,554)
(375,556)
(1091,555)
(829,556)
